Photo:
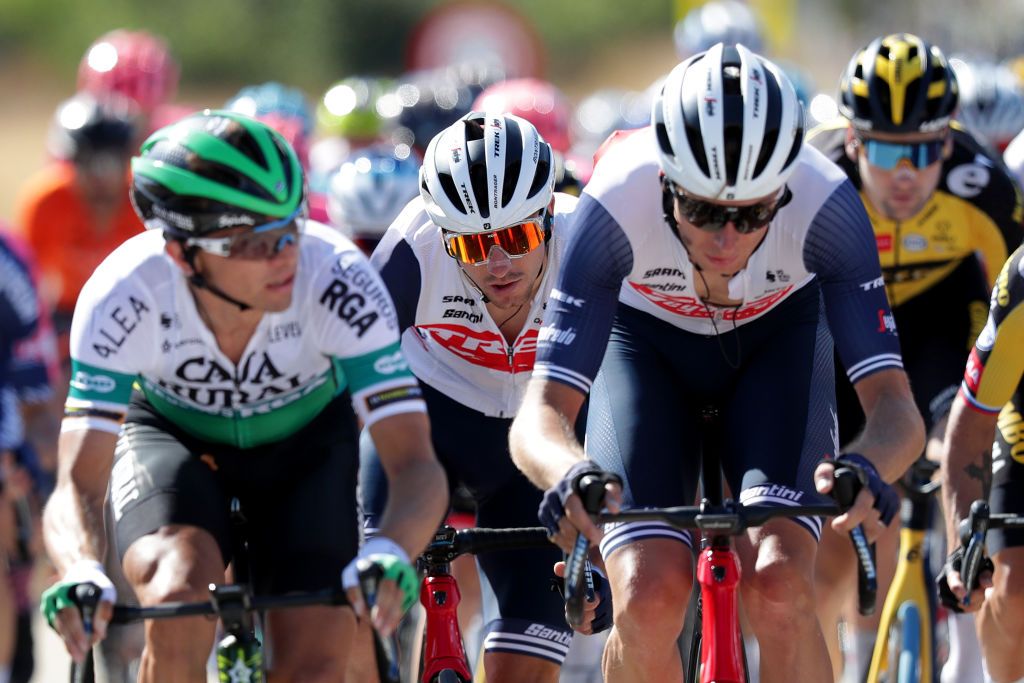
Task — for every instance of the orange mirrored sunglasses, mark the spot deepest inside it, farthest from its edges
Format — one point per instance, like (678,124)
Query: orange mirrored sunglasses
(516,240)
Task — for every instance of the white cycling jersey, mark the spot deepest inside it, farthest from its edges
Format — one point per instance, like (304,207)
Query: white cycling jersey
(136,325)
(448,337)
(632,257)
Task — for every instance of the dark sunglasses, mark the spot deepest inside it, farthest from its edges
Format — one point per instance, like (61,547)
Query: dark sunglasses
(713,217)
(888,155)
(515,240)
(255,244)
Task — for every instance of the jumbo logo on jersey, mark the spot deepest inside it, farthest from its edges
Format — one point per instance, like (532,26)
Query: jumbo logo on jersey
(691,307)
(487,349)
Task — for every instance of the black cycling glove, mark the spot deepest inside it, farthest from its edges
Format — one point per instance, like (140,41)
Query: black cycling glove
(887,501)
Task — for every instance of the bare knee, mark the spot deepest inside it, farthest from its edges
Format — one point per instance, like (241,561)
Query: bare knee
(650,592)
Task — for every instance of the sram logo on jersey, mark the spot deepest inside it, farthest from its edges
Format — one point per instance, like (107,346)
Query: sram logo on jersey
(484,348)
(112,336)
(100,384)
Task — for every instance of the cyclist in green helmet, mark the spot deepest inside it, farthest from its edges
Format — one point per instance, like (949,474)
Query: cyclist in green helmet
(229,352)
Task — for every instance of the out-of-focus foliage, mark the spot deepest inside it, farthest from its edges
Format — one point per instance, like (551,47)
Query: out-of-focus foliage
(305,42)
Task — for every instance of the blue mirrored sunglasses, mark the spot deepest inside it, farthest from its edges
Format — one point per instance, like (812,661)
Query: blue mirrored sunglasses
(888,155)
(259,242)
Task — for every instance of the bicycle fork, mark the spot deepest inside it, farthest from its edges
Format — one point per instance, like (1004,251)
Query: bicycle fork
(718,573)
(440,597)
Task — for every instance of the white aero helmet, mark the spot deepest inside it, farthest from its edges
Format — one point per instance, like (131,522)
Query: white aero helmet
(729,125)
(369,190)
(486,171)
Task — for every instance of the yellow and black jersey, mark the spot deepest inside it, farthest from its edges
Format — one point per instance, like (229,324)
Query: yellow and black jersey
(996,363)
(977,208)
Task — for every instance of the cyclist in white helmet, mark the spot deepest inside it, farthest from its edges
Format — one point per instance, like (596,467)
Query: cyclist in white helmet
(368,192)
(704,248)
(470,264)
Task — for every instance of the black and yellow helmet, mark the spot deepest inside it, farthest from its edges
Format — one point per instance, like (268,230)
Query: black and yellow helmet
(898,84)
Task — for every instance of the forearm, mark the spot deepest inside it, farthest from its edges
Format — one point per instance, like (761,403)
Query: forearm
(417,503)
(966,464)
(73,527)
(893,436)
(542,440)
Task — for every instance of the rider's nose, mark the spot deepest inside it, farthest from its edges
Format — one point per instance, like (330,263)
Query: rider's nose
(498,262)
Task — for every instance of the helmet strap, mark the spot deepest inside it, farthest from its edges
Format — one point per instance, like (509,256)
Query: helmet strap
(196,279)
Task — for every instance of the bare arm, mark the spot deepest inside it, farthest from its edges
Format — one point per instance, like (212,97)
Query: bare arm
(966,464)
(543,444)
(418,488)
(73,519)
(893,436)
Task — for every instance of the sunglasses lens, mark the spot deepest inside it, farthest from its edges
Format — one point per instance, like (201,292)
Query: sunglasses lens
(888,155)
(712,217)
(252,246)
(515,240)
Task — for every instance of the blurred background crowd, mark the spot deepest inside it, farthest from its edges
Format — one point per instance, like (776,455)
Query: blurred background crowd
(359,88)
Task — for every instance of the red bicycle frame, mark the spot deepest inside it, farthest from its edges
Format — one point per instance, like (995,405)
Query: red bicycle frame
(439,593)
(721,649)
(442,646)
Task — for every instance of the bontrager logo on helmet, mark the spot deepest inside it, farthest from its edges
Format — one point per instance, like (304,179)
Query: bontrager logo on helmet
(486,171)
(898,84)
(729,125)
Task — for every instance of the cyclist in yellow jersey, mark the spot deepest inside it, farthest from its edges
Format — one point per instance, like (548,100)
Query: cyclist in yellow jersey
(945,213)
(989,405)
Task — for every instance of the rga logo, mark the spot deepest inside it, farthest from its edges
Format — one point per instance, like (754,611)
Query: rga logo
(709,105)
(348,305)
(100,384)
(390,364)
(456,154)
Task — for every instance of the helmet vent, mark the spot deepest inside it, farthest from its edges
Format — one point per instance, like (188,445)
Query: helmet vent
(771,126)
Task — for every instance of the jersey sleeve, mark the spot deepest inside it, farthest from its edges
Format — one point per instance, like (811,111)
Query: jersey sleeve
(582,304)
(996,364)
(977,176)
(840,250)
(396,262)
(358,328)
(113,338)
(19,303)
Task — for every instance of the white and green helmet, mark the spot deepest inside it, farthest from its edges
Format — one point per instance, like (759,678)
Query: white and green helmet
(214,170)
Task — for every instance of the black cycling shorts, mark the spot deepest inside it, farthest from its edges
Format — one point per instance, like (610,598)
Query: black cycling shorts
(298,495)
(937,330)
(772,381)
(521,614)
